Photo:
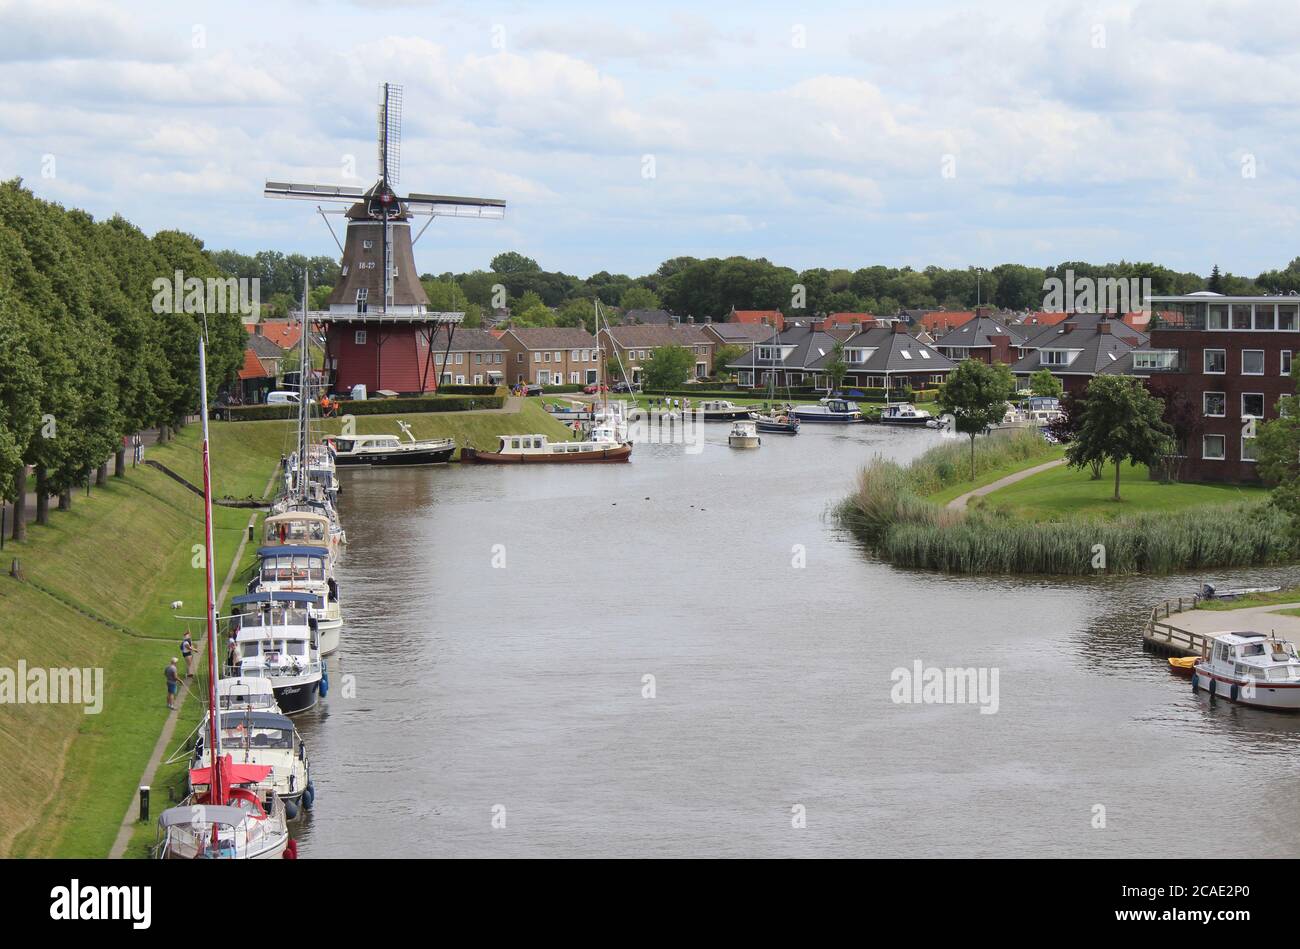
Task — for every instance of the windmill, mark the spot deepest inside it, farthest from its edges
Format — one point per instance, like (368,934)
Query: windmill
(380,218)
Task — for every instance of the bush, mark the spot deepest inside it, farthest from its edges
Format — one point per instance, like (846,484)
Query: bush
(556,390)
(437,403)
(448,388)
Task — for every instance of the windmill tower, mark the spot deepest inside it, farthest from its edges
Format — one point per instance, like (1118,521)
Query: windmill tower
(379,330)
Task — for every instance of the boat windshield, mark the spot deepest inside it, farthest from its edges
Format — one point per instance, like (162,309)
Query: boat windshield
(282,569)
(275,616)
(294,531)
(246,733)
(273,648)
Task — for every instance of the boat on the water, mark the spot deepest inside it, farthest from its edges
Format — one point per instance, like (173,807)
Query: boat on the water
(1251,669)
(540,450)
(304,570)
(246,692)
(1183,665)
(780,423)
(389,451)
(744,434)
(904,413)
(829,410)
(1210,592)
(277,639)
(720,410)
(264,738)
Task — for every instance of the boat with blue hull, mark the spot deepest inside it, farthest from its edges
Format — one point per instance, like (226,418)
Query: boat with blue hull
(838,411)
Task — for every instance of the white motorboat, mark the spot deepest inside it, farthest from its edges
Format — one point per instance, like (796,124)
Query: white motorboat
(829,410)
(264,738)
(720,410)
(1251,669)
(904,413)
(389,451)
(276,640)
(246,692)
(744,434)
(292,569)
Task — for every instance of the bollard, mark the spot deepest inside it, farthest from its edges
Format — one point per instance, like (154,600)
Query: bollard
(251,528)
(144,803)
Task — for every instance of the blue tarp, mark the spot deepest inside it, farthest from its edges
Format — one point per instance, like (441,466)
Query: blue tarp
(285,596)
(290,550)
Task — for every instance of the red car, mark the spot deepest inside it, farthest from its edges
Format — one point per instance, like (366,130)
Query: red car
(595,388)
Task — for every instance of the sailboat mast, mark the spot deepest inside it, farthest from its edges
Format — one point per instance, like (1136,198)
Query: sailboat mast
(214,712)
(304,394)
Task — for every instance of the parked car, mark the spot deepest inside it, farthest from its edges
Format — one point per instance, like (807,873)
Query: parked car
(533,389)
(596,388)
(625,387)
(282,397)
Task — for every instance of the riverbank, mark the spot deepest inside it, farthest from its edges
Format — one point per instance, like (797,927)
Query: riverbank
(1057,520)
(100,583)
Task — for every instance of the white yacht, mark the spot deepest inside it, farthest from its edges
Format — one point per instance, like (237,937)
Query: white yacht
(264,738)
(1251,669)
(828,410)
(301,569)
(385,451)
(904,413)
(744,434)
(246,827)
(276,640)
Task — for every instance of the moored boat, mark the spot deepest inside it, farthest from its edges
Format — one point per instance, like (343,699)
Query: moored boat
(538,449)
(277,640)
(243,826)
(829,410)
(720,410)
(903,413)
(1251,669)
(389,451)
(264,738)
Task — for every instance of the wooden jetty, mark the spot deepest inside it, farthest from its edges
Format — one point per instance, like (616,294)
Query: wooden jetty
(1168,639)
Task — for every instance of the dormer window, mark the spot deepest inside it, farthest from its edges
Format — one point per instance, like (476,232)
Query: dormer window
(367,245)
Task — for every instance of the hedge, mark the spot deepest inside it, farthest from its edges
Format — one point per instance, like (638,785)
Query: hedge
(557,390)
(448,389)
(442,403)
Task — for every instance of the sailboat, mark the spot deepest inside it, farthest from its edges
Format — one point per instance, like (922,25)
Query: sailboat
(226,816)
(778,419)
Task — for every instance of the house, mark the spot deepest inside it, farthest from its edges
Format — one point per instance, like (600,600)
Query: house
(769,317)
(551,355)
(939,323)
(257,376)
(738,334)
(283,333)
(469,357)
(633,345)
(852,319)
(875,357)
(984,338)
(1076,349)
(1230,356)
(650,317)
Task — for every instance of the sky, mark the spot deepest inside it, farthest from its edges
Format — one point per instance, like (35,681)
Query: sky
(622,134)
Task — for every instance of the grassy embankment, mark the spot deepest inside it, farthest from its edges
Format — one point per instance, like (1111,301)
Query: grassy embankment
(1055,522)
(1290,595)
(100,581)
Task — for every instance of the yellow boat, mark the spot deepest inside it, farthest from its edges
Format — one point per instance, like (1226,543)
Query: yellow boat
(1183,665)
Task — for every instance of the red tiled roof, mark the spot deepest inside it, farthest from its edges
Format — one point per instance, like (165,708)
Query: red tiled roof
(1045,318)
(254,368)
(847,319)
(941,322)
(284,333)
(771,317)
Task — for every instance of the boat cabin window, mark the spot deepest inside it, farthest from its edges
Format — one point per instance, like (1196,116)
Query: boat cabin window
(1224,652)
(296,647)
(242,732)
(279,616)
(293,568)
(1253,649)
(514,443)
(294,531)
(343,444)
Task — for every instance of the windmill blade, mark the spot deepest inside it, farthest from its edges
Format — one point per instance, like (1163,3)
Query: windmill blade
(284,189)
(447,205)
(390,133)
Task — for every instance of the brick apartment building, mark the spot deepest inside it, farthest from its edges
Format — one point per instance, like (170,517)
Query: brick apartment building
(551,355)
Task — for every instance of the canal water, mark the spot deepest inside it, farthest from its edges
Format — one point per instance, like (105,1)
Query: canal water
(683,656)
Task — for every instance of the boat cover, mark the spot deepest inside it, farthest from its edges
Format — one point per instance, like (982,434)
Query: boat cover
(277,596)
(293,550)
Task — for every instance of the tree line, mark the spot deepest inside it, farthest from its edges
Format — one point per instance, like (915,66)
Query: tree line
(86,356)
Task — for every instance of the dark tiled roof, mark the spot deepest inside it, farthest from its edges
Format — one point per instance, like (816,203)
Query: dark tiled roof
(896,352)
(263,348)
(553,337)
(655,317)
(1083,323)
(468,339)
(975,333)
(1097,352)
(733,333)
(652,336)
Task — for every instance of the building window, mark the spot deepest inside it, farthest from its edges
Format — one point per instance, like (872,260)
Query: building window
(1286,362)
(1252,362)
(367,245)
(1265,316)
(1212,447)
(496,358)
(1217,318)
(559,357)
(537,357)
(547,356)
(362,295)
(1252,405)
(573,354)
(1214,404)
(360,338)
(519,357)
(478,359)
(1247,449)
(1216,362)
(573,378)
(1286,320)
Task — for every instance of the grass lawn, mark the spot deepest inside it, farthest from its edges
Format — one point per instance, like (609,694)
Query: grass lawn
(1064,492)
(1291,595)
(988,477)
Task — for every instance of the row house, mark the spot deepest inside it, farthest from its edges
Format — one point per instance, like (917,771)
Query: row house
(471,357)
(984,338)
(1076,349)
(551,355)
(875,357)
(632,346)
(1230,357)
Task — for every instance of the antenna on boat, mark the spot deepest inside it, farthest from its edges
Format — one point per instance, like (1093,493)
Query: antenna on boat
(217,793)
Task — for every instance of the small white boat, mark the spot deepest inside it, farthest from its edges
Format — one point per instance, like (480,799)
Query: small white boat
(277,640)
(303,570)
(1251,669)
(245,827)
(744,434)
(904,413)
(246,692)
(264,738)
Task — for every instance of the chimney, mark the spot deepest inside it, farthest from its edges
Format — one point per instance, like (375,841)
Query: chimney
(896,327)
(1103,326)
(1067,327)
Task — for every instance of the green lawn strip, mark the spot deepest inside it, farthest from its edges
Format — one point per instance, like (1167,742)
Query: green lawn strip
(988,477)
(1065,492)
(1290,595)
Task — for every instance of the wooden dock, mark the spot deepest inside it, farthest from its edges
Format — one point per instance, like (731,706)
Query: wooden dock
(1168,639)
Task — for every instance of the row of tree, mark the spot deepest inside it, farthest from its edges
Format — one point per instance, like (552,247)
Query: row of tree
(89,352)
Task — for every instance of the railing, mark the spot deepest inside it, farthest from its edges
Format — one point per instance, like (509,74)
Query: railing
(1173,637)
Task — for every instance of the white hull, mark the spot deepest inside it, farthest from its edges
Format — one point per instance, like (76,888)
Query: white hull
(744,441)
(1281,697)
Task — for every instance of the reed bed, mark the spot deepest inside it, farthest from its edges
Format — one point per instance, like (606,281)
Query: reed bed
(890,515)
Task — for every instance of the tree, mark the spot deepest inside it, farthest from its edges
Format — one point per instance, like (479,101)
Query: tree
(1277,448)
(975,395)
(668,367)
(725,356)
(512,262)
(1121,422)
(836,368)
(639,298)
(1216,280)
(1044,383)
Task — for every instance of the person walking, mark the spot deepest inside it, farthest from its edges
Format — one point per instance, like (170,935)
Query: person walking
(173,684)
(187,651)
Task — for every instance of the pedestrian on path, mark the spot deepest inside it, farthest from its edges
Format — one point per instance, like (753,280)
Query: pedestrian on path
(173,684)
(187,650)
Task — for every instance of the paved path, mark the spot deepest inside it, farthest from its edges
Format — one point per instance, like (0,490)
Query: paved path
(129,820)
(1259,619)
(959,503)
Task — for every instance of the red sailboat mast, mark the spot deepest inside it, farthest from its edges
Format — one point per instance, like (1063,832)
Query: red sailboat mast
(217,788)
